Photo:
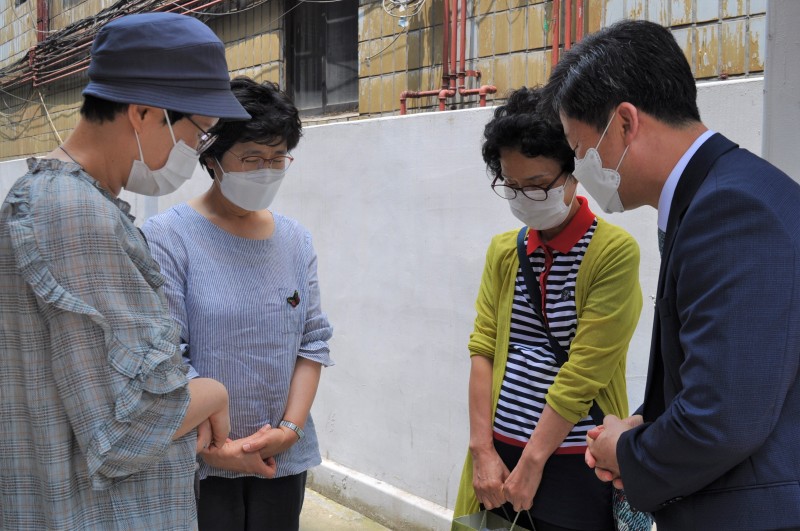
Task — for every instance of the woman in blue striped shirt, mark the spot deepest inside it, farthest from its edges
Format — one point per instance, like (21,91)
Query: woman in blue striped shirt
(242,285)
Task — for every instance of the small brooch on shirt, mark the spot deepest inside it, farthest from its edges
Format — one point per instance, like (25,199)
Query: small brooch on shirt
(565,294)
(294,300)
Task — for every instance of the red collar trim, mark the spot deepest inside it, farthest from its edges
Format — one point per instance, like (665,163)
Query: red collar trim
(570,235)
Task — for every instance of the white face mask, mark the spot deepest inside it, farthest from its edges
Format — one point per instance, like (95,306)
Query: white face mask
(601,183)
(251,190)
(180,165)
(541,215)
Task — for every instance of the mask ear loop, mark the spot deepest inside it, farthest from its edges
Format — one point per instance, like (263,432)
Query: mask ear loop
(172,134)
(622,158)
(605,130)
(138,143)
(218,178)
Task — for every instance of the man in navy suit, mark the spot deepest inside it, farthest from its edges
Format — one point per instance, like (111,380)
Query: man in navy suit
(715,444)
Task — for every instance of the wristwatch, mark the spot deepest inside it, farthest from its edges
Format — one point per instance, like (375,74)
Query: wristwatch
(295,428)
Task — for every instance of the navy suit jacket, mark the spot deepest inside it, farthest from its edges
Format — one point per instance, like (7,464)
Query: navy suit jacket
(720,447)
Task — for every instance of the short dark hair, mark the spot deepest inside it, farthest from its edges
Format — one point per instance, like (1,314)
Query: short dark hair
(519,125)
(633,61)
(274,119)
(99,110)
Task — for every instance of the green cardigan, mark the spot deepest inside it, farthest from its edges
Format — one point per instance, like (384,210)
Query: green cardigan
(608,300)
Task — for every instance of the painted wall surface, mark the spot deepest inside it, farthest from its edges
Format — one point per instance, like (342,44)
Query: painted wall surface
(401,214)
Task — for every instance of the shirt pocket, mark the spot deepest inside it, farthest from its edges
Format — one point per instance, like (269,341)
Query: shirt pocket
(291,301)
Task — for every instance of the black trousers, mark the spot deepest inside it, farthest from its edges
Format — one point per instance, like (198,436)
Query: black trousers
(570,497)
(251,503)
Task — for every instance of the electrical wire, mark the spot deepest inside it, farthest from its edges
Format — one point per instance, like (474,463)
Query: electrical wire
(47,113)
(405,8)
(404,31)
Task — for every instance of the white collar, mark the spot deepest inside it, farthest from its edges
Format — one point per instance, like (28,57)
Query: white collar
(665,201)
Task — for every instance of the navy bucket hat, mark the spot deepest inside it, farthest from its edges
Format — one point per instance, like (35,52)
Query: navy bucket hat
(164,60)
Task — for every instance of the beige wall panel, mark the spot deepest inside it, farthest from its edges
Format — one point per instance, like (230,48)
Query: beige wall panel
(400,52)
(427,44)
(518,30)
(682,11)
(414,50)
(500,77)
(436,55)
(733,8)
(517,63)
(758,44)
(732,42)
(707,52)
(706,11)
(684,40)
(658,11)
(535,26)
(486,36)
(538,67)
(501,33)
(374,95)
(413,80)
(635,9)
(594,11)
(363,96)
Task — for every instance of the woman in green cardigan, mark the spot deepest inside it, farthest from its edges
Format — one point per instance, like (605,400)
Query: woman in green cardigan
(528,416)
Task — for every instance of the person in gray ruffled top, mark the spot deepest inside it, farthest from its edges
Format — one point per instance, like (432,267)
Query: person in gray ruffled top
(98,412)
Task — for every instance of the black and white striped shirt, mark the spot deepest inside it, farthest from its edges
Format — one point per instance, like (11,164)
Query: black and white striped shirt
(531,367)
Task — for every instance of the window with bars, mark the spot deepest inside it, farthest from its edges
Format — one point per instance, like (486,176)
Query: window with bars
(322,56)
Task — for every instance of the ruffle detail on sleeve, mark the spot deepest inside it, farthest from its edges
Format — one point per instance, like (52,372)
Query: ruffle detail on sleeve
(150,369)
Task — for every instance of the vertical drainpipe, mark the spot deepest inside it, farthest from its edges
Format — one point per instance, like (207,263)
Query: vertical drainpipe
(42,19)
(556,31)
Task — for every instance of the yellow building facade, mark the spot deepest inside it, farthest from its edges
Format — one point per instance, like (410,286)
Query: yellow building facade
(352,59)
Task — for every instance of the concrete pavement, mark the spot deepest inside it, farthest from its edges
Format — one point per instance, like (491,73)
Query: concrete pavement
(323,514)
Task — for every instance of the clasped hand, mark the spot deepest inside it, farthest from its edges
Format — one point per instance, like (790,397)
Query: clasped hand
(494,485)
(601,451)
(254,454)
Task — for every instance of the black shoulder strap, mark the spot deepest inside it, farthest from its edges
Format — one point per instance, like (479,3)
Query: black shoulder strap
(535,293)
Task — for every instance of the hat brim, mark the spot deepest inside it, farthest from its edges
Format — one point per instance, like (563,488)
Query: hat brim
(216,103)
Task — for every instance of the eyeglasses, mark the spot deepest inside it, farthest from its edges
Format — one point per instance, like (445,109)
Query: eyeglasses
(536,193)
(254,162)
(206,139)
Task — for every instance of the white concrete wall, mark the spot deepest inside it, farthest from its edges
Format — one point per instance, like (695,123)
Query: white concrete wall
(401,213)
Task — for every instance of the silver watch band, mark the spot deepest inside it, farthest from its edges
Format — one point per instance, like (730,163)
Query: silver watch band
(295,428)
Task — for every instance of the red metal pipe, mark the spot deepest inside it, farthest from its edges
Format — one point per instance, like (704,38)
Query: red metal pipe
(454,42)
(567,24)
(445,45)
(42,19)
(579,22)
(483,90)
(442,93)
(462,43)
(556,20)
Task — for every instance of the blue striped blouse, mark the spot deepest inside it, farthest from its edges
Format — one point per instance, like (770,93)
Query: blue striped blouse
(230,298)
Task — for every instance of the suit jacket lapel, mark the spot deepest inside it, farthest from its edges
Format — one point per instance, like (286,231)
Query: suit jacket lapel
(692,177)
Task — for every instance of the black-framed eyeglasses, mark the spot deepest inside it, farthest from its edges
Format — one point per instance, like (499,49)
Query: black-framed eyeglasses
(535,193)
(255,162)
(206,139)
